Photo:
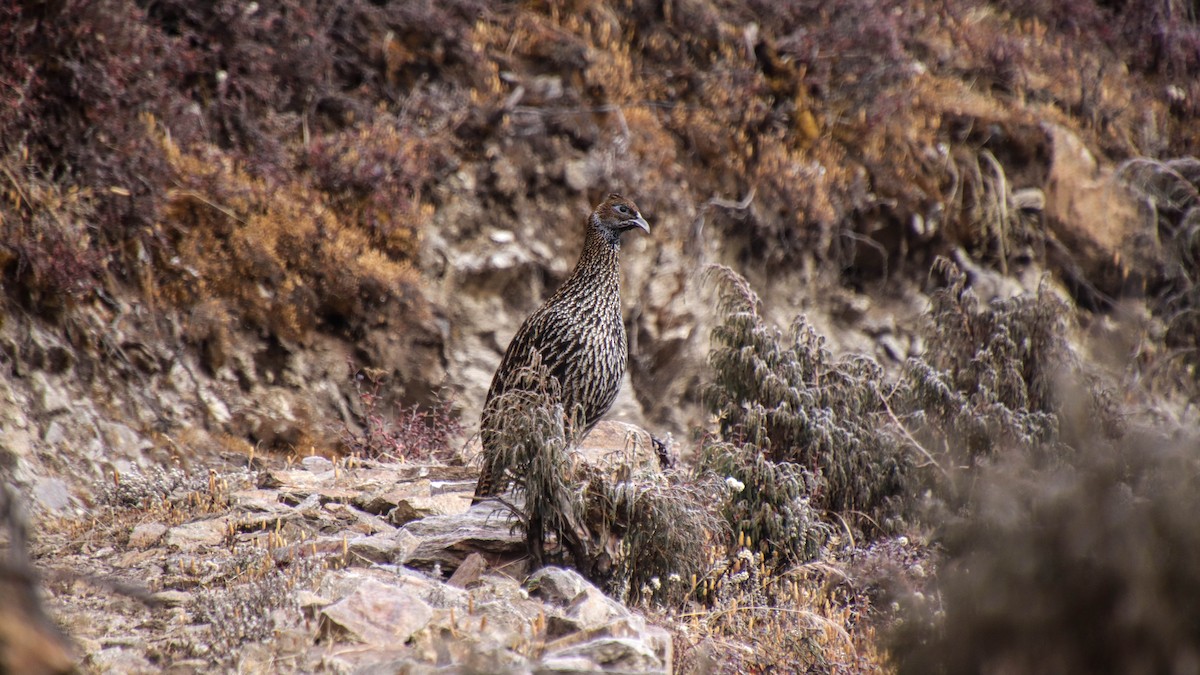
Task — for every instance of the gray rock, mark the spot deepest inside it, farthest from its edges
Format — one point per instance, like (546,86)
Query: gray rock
(447,540)
(567,664)
(55,433)
(310,603)
(120,660)
(16,442)
(579,174)
(123,441)
(593,609)
(146,534)
(377,614)
(52,494)
(556,585)
(373,662)
(258,500)
(415,508)
(412,500)
(51,398)
(891,348)
(387,547)
(317,464)
(432,591)
(505,607)
(620,654)
(633,628)
(662,642)
(198,534)
(386,498)
(172,598)
(341,583)
(576,605)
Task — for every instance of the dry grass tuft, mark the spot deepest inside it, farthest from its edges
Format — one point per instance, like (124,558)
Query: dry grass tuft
(658,532)
(629,533)
(275,250)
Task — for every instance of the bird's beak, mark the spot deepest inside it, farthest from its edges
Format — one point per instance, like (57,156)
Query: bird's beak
(641,223)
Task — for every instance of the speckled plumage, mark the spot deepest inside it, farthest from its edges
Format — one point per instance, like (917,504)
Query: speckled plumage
(578,332)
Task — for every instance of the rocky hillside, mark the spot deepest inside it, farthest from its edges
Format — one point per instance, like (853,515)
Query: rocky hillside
(234,236)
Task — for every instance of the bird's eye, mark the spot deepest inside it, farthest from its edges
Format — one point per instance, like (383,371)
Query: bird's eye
(622,209)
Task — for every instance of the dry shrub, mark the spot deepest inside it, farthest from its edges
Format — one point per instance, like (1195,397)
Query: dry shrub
(843,126)
(237,85)
(70,103)
(48,255)
(1064,533)
(998,381)
(658,531)
(1084,568)
(1161,37)
(406,433)
(1066,543)
(1172,189)
(813,442)
(146,488)
(771,501)
(255,604)
(373,174)
(276,251)
(627,533)
(530,441)
(758,618)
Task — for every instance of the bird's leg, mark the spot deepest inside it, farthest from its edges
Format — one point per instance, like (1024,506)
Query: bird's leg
(535,540)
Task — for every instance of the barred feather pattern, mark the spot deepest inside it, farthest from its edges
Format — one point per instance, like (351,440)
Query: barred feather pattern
(578,334)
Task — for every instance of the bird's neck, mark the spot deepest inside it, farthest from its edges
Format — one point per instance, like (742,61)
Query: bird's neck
(598,270)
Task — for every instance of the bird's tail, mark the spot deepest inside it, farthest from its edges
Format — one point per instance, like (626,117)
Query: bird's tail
(486,487)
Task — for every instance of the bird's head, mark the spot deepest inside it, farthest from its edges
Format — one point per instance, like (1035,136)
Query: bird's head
(615,215)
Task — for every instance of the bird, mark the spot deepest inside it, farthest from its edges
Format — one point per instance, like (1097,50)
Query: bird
(577,334)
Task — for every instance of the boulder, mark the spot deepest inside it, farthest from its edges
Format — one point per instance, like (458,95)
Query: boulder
(1097,220)
(146,534)
(377,614)
(198,534)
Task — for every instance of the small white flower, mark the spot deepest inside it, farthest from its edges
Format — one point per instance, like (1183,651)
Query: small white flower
(735,484)
(674,578)
(656,583)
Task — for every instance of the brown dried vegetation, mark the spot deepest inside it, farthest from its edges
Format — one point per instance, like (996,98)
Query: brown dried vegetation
(861,135)
(271,166)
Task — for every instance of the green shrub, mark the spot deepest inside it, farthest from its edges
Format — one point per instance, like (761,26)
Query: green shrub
(988,380)
(800,430)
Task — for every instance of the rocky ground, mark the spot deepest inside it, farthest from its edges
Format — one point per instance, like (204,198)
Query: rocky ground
(323,566)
